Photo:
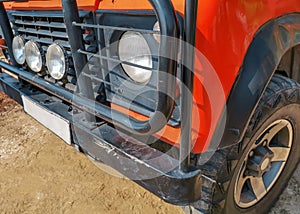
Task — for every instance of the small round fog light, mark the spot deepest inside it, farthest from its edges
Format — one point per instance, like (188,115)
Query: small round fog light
(18,47)
(56,59)
(33,56)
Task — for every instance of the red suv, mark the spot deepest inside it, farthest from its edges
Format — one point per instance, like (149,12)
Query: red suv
(198,102)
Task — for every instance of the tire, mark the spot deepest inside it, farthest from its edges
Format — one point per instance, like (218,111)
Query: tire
(256,159)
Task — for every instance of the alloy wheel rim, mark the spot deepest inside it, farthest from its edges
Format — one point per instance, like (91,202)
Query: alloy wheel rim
(263,164)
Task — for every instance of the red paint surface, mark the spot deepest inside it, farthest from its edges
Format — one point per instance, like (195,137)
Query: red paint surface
(2,44)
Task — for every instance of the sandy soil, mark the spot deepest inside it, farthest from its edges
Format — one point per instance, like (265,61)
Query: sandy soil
(41,174)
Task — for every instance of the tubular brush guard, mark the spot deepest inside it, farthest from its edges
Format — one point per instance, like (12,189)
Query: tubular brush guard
(152,169)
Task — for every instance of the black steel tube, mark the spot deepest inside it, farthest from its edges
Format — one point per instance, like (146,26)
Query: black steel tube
(190,22)
(71,15)
(116,60)
(102,111)
(7,32)
(167,65)
(168,53)
(105,27)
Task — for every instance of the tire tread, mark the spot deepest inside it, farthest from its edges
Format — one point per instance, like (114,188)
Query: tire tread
(280,91)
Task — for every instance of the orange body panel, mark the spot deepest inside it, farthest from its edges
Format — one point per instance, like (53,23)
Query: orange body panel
(46,5)
(225,30)
(88,5)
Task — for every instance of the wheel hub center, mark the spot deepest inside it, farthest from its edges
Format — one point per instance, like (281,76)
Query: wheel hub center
(265,164)
(260,161)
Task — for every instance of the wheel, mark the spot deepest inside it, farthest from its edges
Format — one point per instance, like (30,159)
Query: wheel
(250,176)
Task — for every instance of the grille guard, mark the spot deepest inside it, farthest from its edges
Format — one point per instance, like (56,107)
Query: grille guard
(167,66)
(169,28)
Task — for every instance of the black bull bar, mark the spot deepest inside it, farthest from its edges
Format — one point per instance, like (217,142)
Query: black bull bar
(180,186)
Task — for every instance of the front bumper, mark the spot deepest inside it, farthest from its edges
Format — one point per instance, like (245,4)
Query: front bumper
(152,169)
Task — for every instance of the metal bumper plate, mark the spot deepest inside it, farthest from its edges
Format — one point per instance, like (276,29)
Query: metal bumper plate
(52,121)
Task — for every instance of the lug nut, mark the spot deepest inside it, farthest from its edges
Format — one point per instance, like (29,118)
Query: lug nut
(251,154)
(264,143)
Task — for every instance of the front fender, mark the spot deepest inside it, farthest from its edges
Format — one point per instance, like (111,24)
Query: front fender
(264,54)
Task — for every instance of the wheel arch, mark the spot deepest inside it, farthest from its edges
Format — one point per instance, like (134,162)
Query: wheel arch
(289,65)
(274,41)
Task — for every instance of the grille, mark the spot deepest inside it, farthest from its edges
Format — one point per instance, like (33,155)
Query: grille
(46,28)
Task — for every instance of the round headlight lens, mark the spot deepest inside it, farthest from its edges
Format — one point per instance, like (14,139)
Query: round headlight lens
(33,56)
(134,48)
(156,36)
(56,61)
(18,47)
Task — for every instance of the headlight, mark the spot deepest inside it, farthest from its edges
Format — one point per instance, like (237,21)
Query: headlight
(18,46)
(56,61)
(156,36)
(33,56)
(134,48)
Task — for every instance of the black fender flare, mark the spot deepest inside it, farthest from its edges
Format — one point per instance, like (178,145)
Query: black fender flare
(264,54)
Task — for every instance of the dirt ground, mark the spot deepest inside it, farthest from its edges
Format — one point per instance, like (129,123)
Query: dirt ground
(41,174)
